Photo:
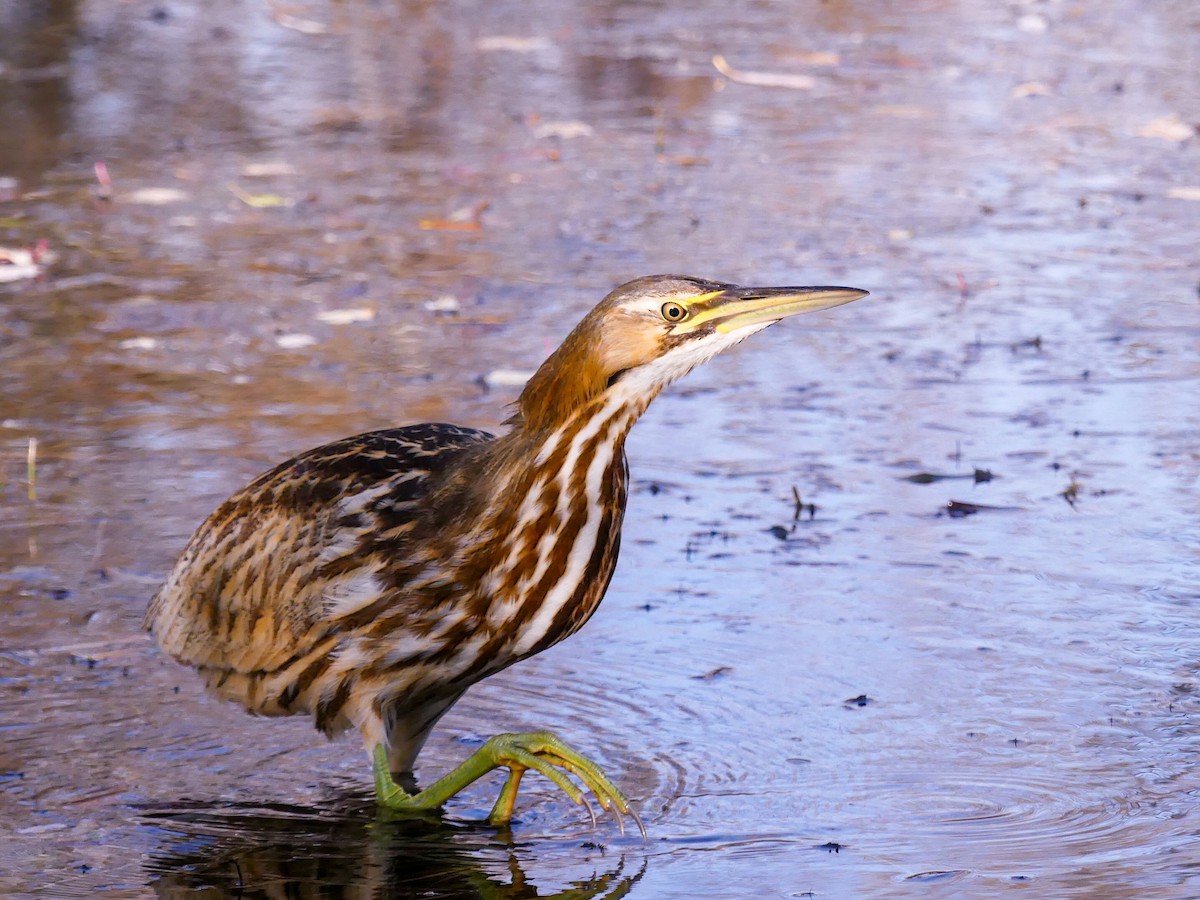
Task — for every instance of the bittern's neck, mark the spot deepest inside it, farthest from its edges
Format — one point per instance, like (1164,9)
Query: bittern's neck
(593,425)
(568,499)
(572,386)
(558,392)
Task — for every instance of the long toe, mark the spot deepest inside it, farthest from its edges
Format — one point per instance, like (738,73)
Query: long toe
(548,754)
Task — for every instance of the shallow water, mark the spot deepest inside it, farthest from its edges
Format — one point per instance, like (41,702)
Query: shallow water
(878,697)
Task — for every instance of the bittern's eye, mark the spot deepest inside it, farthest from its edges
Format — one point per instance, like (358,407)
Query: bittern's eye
(674,312)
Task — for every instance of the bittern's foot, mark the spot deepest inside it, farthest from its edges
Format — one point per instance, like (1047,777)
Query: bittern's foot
(538,750)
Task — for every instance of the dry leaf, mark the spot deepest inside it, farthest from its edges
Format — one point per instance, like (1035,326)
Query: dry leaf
(1167,128)
(466,218)
(296,23)
(512,43)
(817,58)
(295,341)
(154,196)
(267,169)
(1030,89)
(346,316)
(685,160)
(20,263)
(1033,23)
(260,201)
(444,304)
(506,378)
(564,130)
(448,225)
(902,112)
(138,343)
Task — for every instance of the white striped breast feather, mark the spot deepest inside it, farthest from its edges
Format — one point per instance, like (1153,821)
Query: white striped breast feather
(504,608)
(582,547)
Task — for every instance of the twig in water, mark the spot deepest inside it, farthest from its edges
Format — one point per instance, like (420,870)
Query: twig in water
(31,469)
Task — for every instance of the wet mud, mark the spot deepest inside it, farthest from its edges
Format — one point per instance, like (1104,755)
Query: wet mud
(836,660)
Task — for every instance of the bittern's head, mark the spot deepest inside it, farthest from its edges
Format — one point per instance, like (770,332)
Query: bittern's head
(650,331)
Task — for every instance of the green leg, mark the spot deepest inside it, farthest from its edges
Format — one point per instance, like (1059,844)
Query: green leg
(538,750)
(502,810)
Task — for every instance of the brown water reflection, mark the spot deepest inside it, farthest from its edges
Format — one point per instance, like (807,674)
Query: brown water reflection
(350,851)
(295,194)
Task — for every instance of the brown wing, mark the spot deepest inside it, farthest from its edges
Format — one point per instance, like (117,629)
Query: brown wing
(253,589)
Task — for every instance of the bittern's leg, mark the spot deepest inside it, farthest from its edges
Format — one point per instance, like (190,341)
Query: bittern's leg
(539,750)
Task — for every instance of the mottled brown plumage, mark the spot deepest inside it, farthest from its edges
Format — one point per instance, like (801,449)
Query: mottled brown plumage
(371,581)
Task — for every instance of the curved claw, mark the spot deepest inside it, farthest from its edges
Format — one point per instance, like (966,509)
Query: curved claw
(638,820)
(548,754)
(608,795)
(591,812)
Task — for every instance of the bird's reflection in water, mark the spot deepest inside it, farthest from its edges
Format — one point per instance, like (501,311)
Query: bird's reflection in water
(243,850)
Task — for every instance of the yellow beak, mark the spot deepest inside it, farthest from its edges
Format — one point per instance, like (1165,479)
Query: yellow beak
(735,307)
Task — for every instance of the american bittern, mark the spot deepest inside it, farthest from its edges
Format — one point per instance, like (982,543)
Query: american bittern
(371,581)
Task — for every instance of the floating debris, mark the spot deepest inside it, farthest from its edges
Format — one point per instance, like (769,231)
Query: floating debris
(447,303)
(938,875)
(154,196)
(564,130)
(31,469)
(138,343)
(1167,128)
(346,316)
(823,58)
(296,23)
(683,160)
(1033,23)
(1071,493)
(902,111)
(1033,343)
(498,378)
(268,169)
(103,180)
(260,201)
(960,509)
(21,263)
(713,673)
(802,507)
(979,476)
(467,218)
(1030,89)
(295,341)
(512,43)
(764,79)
